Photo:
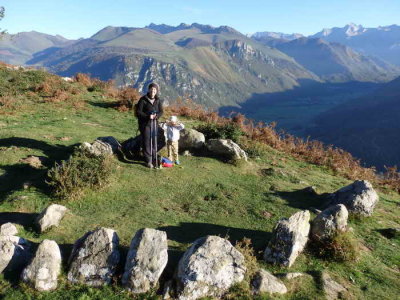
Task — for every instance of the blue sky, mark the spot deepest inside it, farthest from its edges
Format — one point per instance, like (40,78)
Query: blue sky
(82,18)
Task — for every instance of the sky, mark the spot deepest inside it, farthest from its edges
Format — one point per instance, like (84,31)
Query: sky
(83,18)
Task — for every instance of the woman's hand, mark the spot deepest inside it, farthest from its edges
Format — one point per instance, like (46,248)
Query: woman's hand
(153,116)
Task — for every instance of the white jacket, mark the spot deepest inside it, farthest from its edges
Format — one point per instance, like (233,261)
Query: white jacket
(172,132)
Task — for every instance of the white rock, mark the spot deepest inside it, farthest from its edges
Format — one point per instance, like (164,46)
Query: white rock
(8,229)
(50,217)
(226,148)
(332,289)
(94,258)
(43,271)
(14,253)
(359,197)
(209,268)
(329,222)
(191,139)
(288,239)
(265,282)
(146,260)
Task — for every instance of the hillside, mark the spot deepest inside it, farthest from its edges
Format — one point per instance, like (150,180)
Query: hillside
(214,66)
(21,47)
(382,42)
(334,62)
(206,195)
(367,127)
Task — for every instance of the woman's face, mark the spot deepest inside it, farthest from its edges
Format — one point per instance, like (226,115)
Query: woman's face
(152,92)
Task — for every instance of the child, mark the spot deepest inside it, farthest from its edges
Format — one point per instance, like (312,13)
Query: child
(172,129)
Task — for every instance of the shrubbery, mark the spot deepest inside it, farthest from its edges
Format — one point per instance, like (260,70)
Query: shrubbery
(221,131)
(82,170)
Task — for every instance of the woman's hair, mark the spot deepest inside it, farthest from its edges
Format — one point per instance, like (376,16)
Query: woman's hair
(155,85)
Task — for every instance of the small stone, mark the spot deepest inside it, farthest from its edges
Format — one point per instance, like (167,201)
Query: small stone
(50,217)
(43,271)
(187,153)
(290,276)
(332,289)
(8,229)
(112,141)
(265,282)
(34,161)
(226,148)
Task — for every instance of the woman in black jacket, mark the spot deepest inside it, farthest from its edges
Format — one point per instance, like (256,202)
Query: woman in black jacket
(149,110)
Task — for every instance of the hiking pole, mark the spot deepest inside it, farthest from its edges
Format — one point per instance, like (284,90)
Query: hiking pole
(156,140)
(151,141)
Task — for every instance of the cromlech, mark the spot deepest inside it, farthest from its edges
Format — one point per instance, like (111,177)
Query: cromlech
(218,152)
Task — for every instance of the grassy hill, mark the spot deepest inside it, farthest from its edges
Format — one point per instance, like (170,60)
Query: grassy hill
(204,196)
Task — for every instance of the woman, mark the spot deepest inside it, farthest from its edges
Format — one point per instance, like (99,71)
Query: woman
(149,110)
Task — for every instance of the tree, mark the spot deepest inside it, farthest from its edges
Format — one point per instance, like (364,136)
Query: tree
(2,10)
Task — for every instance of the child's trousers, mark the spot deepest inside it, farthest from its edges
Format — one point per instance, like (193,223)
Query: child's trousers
(172,147)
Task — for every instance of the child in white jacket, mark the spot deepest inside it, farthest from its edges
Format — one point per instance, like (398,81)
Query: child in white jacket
(172,129)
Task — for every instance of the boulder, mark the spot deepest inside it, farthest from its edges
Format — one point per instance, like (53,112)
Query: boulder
(43,271)
(112,141)
(329,222)
(8,229)
(94,258)
(191,139)
(98,148)
(226,148)
(146,260)
(288,239)
(50,217)
(14,253)
(290,276)
(265,282)
(359,197)
(332,289)
(209,268)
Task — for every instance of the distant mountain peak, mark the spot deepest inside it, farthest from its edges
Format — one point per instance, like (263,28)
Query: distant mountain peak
(164,29)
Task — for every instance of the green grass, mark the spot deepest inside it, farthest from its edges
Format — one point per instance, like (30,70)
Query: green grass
(204,196)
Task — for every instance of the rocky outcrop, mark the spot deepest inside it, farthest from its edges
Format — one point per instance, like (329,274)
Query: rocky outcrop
(112,141)
(50,217)
(14,253)
(43,271)
(208,268)
(288,239)
(94,258)
(146,260)
(329,222)
(191,139)
(226,148)
(265,282)
(8,229)
(359,198)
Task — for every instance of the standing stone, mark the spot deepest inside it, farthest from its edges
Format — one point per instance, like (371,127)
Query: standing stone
(288,239)
(191,139)
(329,222)
(332,289)
(226,148)
(209,268)
(146,260)
(14,253)
(359,197)
(8,229)
(94,258)
(50,217)
(265,282)
(45,267)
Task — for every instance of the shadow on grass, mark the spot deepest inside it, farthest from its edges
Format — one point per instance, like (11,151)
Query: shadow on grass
(19,176)
(189,232)
(112,104)
(303,199)
(26,220)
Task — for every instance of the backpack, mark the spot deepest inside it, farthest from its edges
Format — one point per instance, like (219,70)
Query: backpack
(166,163)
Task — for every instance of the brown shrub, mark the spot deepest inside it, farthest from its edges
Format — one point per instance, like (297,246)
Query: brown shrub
(83,79)
(127,97)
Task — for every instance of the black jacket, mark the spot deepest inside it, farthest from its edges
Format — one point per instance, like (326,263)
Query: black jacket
(145,109)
